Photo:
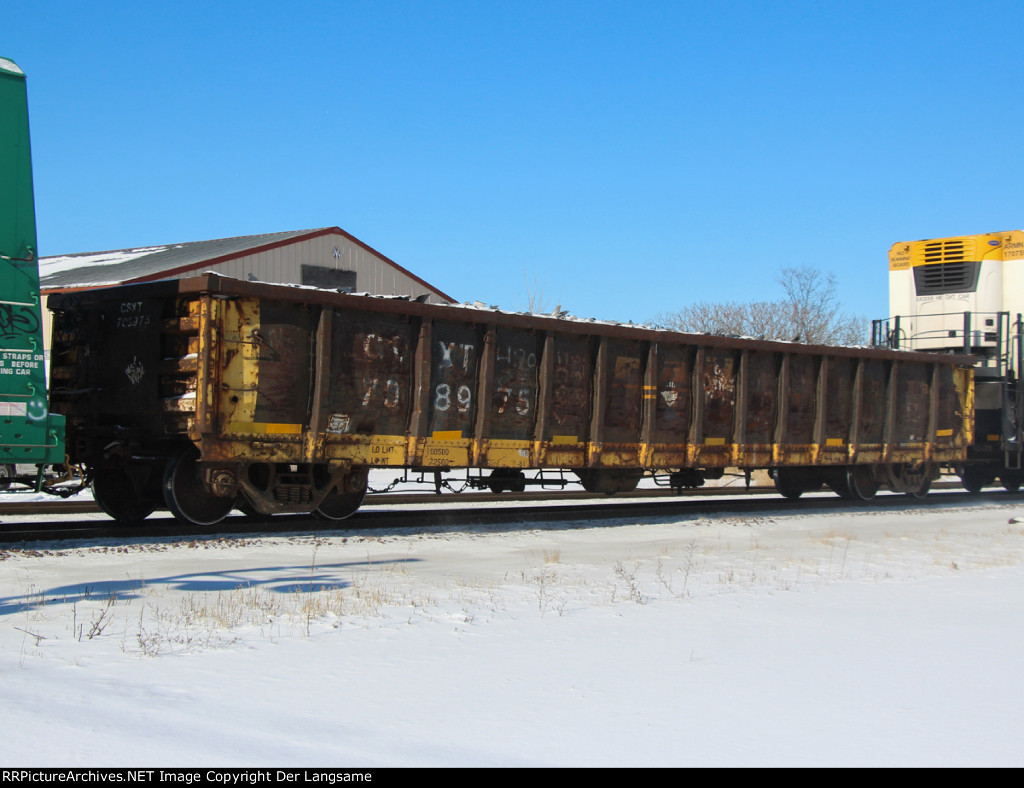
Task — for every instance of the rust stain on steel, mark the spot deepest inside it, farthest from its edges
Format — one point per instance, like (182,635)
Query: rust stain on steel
(719,389)
(371,375)
(873,402)
(912,404)
(623,396)
(839,399)
(455,352)
(284,347)
(798,455)
(803,381)
(616,455)
(513,407)
(951,411)
(762,392)
(570,388)
(672,413)
(237,368)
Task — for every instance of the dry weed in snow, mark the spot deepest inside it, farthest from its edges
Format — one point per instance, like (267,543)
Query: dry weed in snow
(180,597)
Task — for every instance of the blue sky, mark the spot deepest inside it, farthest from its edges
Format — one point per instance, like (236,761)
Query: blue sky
(629,157)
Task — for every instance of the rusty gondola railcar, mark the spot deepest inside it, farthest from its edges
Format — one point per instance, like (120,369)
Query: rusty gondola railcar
(205,394)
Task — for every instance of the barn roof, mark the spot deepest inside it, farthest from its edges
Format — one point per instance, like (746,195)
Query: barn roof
(149,263)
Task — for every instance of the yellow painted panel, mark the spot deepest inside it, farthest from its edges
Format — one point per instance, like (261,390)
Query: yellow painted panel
(450,450)
(264,428)
(454,456)
(899,257)
(518,445)
(387,450)
(985,246)
(503,457)
(284,429)
(563,439)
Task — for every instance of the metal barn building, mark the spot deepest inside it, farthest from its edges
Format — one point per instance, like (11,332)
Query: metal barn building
(327,257)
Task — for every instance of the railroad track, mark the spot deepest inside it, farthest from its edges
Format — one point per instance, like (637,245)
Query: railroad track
(412,517)
(11,506)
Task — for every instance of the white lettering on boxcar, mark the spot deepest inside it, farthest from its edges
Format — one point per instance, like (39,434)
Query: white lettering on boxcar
(134,371)
(392,392)
(338,423)
(448,351)
(380,347)
(443,397)
(132,315)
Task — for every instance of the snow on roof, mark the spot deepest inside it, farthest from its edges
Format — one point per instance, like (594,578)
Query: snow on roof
(55,265)
(93,269)
(123,266)
(9,65)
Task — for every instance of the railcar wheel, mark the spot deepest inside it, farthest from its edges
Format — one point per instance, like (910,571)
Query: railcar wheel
(343,501)
(338,505)
(856,483)
(118,497)
(7,472)
(914,479)
(608,480)
(1011,480)
(788,483)
(187,497)
(502,479)
(975,478)
(921,491)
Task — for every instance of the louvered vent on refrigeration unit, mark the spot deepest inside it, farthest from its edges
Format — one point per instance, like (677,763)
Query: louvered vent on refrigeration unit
(946,278)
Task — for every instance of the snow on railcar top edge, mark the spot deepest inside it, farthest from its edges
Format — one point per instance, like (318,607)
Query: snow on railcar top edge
(559,316)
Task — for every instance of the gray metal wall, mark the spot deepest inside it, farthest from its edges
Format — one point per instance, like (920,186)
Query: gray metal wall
(284,264)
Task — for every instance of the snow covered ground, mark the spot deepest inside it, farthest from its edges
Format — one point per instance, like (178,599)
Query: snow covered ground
(861,638)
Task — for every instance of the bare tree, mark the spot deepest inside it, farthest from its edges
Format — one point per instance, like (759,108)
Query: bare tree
(809,313)
(816,319)
(536,301)
(756,319)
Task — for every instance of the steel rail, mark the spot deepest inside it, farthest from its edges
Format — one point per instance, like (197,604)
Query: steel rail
(414,518)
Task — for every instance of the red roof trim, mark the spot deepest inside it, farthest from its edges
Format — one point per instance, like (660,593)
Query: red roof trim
(75,289)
